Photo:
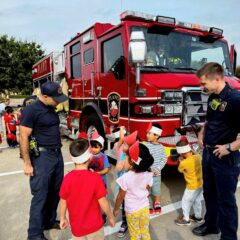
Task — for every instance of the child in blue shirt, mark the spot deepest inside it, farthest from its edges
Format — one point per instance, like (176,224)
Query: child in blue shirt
(99,162)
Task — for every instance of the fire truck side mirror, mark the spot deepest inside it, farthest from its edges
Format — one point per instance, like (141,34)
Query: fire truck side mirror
(137,48)
(233,58)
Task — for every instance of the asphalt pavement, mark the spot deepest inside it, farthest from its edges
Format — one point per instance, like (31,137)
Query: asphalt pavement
(15,201)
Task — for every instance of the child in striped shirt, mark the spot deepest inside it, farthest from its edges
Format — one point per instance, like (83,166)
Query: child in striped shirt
(158,152)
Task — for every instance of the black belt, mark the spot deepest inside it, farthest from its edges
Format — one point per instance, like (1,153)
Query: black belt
(44,149)
(210,147)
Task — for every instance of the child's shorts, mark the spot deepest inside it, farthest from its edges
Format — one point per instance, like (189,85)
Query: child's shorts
(156,187)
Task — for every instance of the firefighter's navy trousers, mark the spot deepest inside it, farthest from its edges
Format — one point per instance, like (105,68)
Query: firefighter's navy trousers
(220,178)
(45,186)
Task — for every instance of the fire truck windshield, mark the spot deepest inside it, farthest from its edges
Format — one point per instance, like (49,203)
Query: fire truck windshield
(172,51)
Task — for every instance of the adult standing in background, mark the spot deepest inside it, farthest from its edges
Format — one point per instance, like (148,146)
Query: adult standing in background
(221,160)
(44,164)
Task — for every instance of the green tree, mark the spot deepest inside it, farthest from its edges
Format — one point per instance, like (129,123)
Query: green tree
(16,60)
(238,71)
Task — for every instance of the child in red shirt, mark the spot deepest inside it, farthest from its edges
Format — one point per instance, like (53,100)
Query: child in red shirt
(83,194)
(11,128)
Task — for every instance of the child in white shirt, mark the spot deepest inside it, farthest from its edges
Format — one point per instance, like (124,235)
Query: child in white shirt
(121,147)
(134,189)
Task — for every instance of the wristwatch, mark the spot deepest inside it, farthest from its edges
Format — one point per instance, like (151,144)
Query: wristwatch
(228,147)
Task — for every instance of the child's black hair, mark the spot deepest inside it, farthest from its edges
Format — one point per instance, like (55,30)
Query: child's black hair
(78,147)
(182,143)
(157,126)
(95,144)
(9,110)
(147,160)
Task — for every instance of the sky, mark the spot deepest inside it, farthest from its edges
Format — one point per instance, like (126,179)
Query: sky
(52,23)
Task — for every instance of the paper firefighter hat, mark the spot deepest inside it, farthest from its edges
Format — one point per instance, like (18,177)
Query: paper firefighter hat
(183,149)
(82,135)
(11,136)
(154,130)
(97,137)
(134,153)
(131,139)
(83,157)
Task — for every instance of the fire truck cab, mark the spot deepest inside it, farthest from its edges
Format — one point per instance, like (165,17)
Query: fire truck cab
(142,70)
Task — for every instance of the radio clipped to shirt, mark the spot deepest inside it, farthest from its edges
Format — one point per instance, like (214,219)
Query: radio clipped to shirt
(33,147)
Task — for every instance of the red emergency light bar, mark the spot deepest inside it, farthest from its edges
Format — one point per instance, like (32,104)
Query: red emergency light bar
(133,15)
(166,20)
(217,31)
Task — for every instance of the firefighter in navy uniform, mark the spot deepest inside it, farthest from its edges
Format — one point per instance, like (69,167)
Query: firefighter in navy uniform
(221,160)
(42,156)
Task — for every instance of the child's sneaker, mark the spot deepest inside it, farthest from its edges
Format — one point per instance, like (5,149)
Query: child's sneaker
(182,222)
(157,208)
(122,231)
(151,211)
(195,219)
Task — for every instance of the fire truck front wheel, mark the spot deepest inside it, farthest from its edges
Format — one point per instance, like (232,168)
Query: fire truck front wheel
(90,123)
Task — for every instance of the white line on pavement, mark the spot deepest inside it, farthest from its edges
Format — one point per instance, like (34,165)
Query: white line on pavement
(10,173)
(21,171)
(166,209)
(108,230)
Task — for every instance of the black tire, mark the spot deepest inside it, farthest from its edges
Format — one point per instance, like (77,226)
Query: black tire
(92,120)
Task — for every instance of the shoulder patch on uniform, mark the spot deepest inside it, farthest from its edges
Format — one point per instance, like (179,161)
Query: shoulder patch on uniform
(222,106)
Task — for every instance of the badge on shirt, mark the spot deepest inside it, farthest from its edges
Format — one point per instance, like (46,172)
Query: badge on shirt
(222,106)
(215,103)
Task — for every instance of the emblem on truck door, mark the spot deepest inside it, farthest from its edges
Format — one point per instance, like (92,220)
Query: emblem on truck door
(113,102)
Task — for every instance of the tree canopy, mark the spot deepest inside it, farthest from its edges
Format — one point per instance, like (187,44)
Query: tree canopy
(16,60)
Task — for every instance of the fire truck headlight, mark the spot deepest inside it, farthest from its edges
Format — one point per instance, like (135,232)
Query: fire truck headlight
(177,109)
(168,95)
(146,109)
(178,95)
(168,109)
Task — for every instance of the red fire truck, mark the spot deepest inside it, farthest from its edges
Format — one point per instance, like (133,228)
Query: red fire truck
(139,71)
(50,68)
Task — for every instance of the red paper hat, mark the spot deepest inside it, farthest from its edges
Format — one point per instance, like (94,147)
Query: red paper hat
(11,136)
(97,137)
(131,139)
(183,138)
(149,126)
(154,130)
(134,153)
(82,135)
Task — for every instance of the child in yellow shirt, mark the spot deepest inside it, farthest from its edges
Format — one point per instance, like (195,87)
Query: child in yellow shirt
(191,167)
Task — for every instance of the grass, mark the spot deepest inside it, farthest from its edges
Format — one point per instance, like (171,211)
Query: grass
(18,96)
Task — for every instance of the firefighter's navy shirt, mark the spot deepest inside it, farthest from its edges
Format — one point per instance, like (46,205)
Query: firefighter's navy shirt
(223,117)
(45,124)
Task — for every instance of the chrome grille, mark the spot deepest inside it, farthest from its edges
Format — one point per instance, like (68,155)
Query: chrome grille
(195,106)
